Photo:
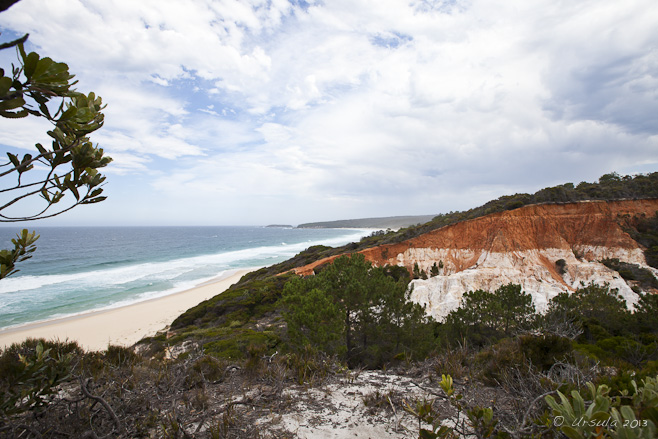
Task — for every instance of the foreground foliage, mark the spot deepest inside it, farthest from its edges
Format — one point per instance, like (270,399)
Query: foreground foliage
(24,246)
(632,415)
(54,389)
(72,162)
(587,360)
(40,87)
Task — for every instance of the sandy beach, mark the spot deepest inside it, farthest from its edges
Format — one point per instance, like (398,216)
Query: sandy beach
(121,326)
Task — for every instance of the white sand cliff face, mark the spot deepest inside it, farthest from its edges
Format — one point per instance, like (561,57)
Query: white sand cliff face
(534,270)
(520,246)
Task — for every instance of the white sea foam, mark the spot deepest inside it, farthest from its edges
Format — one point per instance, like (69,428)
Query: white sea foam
(116,286)
(160,271)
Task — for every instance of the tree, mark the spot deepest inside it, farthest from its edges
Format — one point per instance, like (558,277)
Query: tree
(646,313)
(473,320)
(600,310)
(515,307)
(312,319)
(484,316)
(360,305)
(41,87)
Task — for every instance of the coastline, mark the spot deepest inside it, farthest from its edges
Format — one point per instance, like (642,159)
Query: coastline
(122,326)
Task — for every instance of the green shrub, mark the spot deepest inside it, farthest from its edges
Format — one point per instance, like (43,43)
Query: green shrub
(237,343)
(309,365)
(591,350)
(544,350)
(206,369)
(30,374)
(495,360)
(120,356)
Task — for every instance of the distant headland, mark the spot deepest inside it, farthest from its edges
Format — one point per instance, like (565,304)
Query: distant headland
(390,222)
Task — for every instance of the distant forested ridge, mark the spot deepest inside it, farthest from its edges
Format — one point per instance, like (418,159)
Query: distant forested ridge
(391,222)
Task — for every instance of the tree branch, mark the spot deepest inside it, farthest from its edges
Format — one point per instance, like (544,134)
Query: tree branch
(16,42)
(101,401)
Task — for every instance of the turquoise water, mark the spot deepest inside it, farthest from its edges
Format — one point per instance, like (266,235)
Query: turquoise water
(76,270)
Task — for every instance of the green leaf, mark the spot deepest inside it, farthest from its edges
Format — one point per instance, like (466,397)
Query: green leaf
(571,432)
(14,160)
(578,404)
(30,65)
(5,85)
(68,114)
(627,413)
(25,164)
(41,68)
(95,193)
(41,149)
(599,416)
(16,115)
(566,406)
(73,188)
(58,196)
(44,110)
(552,403)
(21,51)
(12,104)
(94,200)
(651,414)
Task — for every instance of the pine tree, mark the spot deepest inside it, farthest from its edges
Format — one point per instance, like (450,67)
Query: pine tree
(365,314)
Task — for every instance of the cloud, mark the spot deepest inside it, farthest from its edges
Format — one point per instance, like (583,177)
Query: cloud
(608,75)
(345,108)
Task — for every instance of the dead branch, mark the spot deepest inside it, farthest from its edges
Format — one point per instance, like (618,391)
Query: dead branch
(97,399)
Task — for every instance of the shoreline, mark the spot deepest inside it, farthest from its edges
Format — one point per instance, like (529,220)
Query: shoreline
(125,325)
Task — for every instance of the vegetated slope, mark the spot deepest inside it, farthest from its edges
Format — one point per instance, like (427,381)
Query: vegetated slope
(547,249)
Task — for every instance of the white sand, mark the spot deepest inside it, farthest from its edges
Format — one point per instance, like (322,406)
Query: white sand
(123,326)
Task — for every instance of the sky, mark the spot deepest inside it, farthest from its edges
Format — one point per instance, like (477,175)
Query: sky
(252,112)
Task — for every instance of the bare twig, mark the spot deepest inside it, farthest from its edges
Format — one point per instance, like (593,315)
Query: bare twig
(101,401)
(395,413)
(430,391)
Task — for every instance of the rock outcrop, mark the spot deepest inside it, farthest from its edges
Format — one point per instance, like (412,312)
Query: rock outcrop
(521,246)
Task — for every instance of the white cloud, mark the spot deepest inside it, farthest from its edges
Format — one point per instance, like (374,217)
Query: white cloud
(24,133)
(349,106)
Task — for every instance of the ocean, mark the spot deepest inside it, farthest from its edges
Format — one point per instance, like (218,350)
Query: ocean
(77,270)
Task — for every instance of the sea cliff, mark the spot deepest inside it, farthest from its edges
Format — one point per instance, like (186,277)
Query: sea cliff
(521,246)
